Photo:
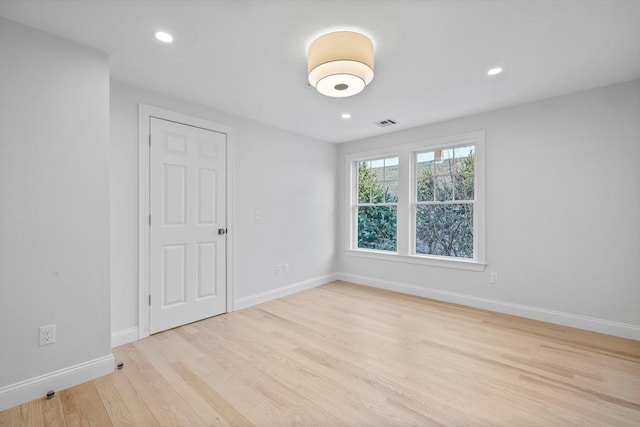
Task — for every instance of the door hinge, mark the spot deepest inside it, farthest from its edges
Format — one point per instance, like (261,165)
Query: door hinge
(149,140)
(149,220)
(149,299)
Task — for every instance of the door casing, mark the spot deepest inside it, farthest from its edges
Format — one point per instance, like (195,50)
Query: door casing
(145,113)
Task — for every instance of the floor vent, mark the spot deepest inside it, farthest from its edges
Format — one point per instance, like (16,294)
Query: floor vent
(385,123)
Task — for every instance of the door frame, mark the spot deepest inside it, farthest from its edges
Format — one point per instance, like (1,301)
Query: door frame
(145,113)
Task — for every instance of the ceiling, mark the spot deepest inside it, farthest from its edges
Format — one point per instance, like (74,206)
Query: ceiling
(248,58)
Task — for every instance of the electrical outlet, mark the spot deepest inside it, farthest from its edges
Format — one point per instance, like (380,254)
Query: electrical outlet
(286,269)
(494,277)
(278,270)
(47,334)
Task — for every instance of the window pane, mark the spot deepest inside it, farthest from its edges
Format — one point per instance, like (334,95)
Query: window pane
(377,164)
(369,188)
(378,181)
(391,180)
(391,192)
(444,188)
(444,161)
(424,177)
(464,172)
(462,152)
(425,157)
(391,173)
(445,230)
(377,227)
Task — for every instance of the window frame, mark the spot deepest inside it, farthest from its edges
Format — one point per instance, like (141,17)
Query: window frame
(407,202)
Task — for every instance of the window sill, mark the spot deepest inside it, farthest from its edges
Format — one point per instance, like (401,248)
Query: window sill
(442,262)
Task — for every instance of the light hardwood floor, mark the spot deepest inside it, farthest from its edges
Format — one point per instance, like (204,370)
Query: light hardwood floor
(343,354)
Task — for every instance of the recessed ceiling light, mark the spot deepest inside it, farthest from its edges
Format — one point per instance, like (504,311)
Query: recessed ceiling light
(494,71)
(346,116)
(164,37)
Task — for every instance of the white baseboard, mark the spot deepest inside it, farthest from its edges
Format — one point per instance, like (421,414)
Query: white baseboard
(124,336)
(623,330)
(283,291)
(34,388)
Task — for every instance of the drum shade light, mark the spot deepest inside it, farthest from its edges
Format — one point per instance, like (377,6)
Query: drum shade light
(340,64)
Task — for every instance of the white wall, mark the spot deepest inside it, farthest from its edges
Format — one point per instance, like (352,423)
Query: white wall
(54,212)
(563,212)
(291,179)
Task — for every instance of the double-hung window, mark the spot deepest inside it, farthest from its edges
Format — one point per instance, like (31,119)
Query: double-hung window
(420,203)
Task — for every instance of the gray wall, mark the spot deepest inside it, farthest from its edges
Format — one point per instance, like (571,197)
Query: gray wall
(563,208)
(54,194)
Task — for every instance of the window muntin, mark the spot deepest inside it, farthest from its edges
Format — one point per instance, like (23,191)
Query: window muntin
(376,208)
(444,204)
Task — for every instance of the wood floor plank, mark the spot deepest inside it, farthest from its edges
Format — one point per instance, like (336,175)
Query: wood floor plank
(138,410)
(31,414)
(313,389)
(82,406)
(53,412)
(227,411)
(10,417)
(377,387)
(157,356)
(348,355)
(166,405)
(114,403)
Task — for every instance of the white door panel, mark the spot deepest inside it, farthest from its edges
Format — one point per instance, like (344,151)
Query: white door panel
(187,203)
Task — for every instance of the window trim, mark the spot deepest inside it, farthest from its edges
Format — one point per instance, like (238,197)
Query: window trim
(406,154)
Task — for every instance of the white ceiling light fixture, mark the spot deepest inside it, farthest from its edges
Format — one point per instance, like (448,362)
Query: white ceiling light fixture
(346,116)
(494,71)
(340,64)
(164,37)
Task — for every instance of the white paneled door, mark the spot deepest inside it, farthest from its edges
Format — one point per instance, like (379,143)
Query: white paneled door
(188,234)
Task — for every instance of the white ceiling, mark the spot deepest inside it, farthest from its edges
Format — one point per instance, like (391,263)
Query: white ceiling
(249,57)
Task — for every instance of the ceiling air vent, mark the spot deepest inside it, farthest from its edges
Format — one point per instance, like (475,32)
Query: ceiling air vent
(385,123)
